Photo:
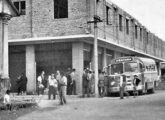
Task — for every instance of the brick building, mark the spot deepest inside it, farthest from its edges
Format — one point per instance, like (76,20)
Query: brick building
(53,35)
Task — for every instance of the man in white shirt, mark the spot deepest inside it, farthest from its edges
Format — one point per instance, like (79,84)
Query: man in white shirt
(40,80)
(122,85)
(53,84)
(62,89)
(73,81)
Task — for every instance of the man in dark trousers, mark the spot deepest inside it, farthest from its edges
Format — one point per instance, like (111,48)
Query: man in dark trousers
(85,83)
(136,82)
(69,82)
(122,85)
(22,83)
(101,84)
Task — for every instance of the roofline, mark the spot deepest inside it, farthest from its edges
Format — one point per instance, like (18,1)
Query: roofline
(40,39)
(13,7)
(73,38)
(133,50)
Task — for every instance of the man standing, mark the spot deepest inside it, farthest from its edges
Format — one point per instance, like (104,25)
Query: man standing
(69,82)
(62,89)
(101,84)
(40,85)
(89,80)
(85,84)
(24,82)
(52,87)
(73,83)
(122,85)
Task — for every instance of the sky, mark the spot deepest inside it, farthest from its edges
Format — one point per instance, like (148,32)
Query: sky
(150,13)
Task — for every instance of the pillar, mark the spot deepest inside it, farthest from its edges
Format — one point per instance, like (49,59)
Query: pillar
(78,64)
(104,58)
(4,67)
(30,68)
(4,46)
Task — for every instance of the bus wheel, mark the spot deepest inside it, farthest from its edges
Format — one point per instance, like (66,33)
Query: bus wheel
(141,92)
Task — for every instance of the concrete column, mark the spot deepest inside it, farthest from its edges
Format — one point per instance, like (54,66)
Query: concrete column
(78,64)
(4,72)
(30,68)
(104,58)
(1,46)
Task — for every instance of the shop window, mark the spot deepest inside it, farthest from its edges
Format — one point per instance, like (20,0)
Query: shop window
(21,7)
(60,9)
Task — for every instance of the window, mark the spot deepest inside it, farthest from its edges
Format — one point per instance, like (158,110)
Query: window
(120,23)
(131,67)
(136,31)
(140,34)
(60,8)
(127,26)
(116,68)
(108,15)
(21,7)
(147,38)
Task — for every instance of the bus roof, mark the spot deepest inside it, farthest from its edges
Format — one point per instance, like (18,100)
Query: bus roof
(133,59)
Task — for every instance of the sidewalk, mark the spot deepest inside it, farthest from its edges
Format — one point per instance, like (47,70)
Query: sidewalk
(45,103)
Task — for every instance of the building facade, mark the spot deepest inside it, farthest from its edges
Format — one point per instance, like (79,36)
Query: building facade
(55,35)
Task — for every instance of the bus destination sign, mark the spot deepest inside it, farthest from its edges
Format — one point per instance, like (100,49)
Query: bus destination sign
(123,59)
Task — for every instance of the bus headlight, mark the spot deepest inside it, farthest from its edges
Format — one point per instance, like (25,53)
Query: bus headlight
(112,83)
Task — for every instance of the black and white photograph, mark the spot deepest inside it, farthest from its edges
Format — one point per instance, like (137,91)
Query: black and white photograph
(82,60)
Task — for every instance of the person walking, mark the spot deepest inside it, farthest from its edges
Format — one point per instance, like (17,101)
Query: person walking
(58,76)
(62,89)
(52,87)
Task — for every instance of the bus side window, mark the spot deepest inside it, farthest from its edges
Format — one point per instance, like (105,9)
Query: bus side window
(141,67)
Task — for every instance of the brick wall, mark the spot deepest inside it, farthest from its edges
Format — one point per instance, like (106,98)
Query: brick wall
(39,22)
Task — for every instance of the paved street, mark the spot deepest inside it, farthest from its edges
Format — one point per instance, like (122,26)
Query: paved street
(147,107)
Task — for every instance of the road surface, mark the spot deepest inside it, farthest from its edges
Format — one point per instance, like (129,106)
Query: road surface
(146,107)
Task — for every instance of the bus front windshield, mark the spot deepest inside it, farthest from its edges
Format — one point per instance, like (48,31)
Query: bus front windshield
(117,68)
(131,67)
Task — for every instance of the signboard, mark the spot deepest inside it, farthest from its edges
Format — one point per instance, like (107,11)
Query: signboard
(123,59)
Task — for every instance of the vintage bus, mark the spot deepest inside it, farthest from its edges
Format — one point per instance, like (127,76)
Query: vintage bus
(144,68)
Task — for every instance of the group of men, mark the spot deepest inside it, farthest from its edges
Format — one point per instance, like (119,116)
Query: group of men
(89,83)
(57,84)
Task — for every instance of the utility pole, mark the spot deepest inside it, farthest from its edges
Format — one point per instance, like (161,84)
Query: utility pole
(96,19)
